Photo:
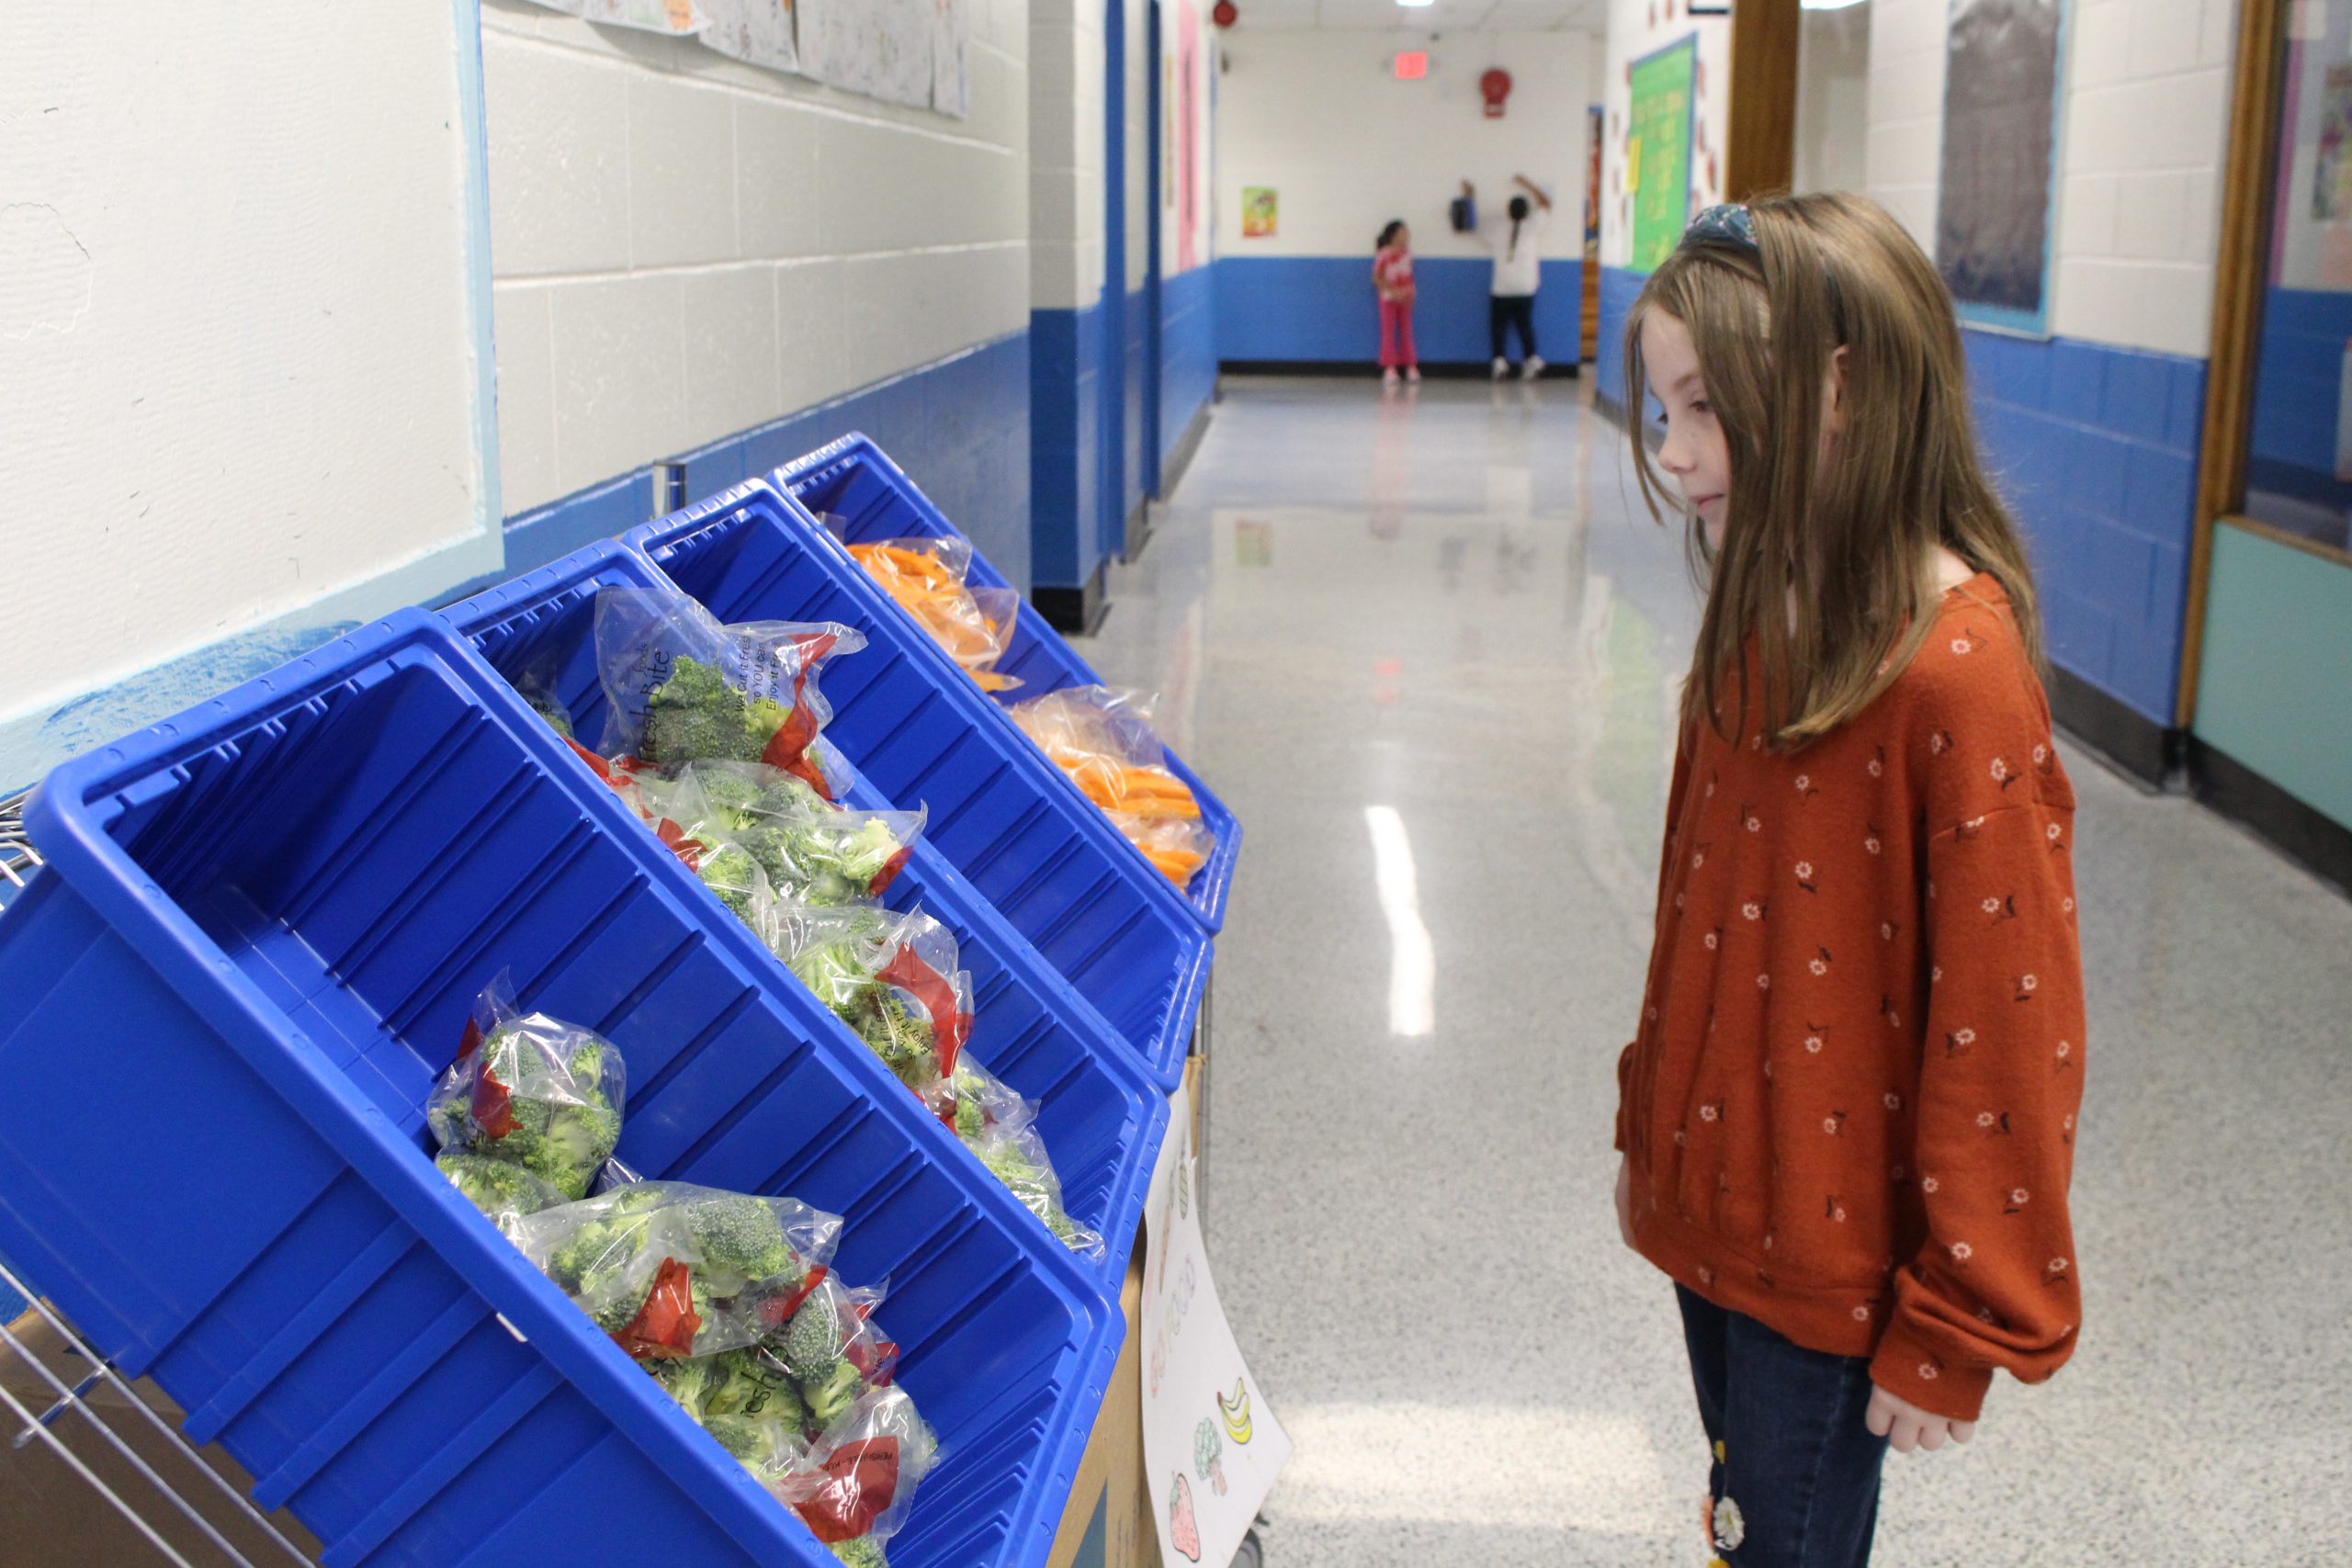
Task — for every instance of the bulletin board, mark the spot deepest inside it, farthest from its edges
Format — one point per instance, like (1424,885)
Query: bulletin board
(1657,149)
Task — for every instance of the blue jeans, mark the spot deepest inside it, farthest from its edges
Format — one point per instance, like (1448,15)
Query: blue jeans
(1790,1454)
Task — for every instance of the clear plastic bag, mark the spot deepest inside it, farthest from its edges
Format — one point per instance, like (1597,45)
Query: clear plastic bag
(891,978)
(928,578)
(811,852)
(1102,738)
(499,1189)
(670,1269)
(530,1090)
(999,1125)
(858,1482)
(684,688)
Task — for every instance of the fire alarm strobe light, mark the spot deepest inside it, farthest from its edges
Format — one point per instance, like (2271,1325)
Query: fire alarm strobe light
(1412,64)
(1495,86)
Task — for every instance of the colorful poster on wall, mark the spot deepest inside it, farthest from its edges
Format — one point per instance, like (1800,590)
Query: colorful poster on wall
(879,48)
(1259,212)
(757,32)
(1997,204)
(1658,150)
(1212,1448)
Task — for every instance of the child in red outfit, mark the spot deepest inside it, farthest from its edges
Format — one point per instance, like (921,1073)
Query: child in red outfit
(1392,278)
(1848,1115)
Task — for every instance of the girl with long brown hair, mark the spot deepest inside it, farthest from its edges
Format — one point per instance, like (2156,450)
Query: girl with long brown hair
(1847,1117)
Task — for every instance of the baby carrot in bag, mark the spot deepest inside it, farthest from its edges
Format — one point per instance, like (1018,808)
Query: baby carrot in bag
(1103,738)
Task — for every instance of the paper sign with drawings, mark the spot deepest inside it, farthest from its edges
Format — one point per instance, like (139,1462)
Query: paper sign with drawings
(1211,1446)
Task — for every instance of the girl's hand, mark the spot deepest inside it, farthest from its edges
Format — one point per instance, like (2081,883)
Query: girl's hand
(1903,1424)
(1625,1209)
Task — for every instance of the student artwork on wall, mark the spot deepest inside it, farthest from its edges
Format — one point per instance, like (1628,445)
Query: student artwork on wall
(1657,149)
(1260,212)
(679,17)
(2004,74)
(757,32)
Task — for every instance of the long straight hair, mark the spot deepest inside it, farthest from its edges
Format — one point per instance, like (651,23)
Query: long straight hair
(1831,576)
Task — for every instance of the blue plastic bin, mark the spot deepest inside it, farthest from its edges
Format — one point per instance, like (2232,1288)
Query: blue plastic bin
(913,722)
(257,939)
(854,480)
(1100,1117)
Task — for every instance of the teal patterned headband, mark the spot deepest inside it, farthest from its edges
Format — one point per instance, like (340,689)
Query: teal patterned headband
(1728,224)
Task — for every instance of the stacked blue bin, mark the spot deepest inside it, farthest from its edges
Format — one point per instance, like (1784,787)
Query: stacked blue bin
(1100,1117)
(855,481)
(916,725)
(257,942)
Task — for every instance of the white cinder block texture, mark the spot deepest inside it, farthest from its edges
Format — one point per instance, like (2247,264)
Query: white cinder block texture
(687,247)
(620,380)
(778,199)
(2143,128)
(681,172)
(527,460)
(731,367)
(559,159)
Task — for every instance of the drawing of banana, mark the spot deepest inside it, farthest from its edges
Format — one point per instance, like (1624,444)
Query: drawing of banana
(1236,1412)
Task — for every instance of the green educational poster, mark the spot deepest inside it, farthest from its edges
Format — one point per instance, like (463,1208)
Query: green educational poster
(1657,150)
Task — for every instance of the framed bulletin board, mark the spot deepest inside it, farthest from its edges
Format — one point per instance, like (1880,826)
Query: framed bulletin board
(1657,149)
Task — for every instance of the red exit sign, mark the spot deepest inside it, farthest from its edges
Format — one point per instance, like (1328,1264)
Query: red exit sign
(1412,64)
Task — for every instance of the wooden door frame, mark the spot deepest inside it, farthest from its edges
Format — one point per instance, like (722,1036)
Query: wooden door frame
(2241,270)
(1760,131)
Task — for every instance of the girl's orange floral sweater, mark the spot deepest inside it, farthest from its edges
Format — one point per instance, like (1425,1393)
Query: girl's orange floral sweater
(1850,1112)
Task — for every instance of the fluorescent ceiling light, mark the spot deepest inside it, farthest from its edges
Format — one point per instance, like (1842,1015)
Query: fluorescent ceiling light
(1826,5)
(1417,5)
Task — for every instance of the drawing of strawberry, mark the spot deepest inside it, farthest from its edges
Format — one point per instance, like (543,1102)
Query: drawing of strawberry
(1183,1530)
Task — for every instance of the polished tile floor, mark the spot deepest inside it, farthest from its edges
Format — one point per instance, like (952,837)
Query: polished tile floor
(1428,650)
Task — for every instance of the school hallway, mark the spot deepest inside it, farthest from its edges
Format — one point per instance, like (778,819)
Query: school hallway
(1428,649)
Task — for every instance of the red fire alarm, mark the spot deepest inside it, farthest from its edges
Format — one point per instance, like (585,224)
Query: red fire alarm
(1225,13)
(1412,64)
(1495,86)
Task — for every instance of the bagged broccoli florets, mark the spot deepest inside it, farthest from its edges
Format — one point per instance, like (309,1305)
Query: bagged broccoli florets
(858,1481)
(501,1190)
(684,688)
(892,978)
(670,1269)
(999,1125)
(532,1092)
(723,818)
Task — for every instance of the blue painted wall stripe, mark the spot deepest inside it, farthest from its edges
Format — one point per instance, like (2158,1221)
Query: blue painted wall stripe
(1322,308)
(956,425)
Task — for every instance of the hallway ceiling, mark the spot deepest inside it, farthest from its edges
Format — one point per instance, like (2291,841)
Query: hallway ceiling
(1445,15)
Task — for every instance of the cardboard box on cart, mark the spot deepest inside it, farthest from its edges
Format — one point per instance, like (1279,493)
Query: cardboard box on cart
(1107,1523)
(51,1517)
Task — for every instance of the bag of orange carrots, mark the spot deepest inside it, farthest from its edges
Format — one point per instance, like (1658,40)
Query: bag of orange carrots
(1102,738)
(928,578)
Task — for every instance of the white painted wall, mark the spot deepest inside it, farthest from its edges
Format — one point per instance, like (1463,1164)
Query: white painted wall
(238,346)
(1833,100)
(2146,123)
(1320,117)
(1066,67)
(1639,27)
(688,247)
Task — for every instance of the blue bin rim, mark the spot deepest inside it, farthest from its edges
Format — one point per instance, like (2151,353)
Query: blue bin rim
(83,855)
(1216,892)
